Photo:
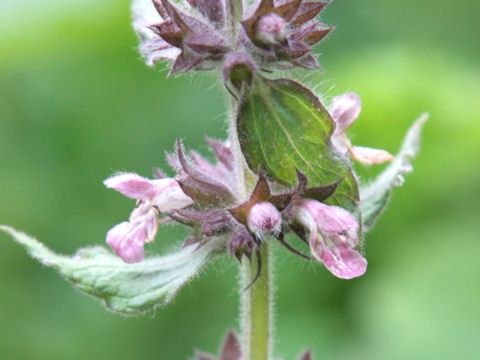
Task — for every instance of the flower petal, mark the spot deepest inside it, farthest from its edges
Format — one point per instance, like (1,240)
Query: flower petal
(135,186)
(369,156)
(170,196)
(345,110)
(343,262)
(127,242)
(332,219)
(150,225)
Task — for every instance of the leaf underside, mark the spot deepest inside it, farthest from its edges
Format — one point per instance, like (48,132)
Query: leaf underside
(130,289)
(282,127)
(374,197)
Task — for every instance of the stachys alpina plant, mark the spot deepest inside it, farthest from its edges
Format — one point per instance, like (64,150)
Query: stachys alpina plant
(285,170)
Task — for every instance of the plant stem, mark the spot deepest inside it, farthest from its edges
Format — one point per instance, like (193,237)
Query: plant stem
(256,302)
(256,307)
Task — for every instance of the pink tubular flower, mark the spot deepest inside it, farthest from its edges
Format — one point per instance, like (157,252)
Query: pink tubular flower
(155,196)
(344,111)
(333,236)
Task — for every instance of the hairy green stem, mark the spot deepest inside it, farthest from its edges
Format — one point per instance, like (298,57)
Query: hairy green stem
(257,307)
(256,301)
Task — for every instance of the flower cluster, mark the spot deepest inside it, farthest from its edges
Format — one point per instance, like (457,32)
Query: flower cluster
(206,34)
(206,197)
(209,197)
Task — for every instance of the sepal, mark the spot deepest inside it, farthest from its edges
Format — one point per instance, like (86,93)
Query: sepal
(198,184)
(307,355)
(231,350)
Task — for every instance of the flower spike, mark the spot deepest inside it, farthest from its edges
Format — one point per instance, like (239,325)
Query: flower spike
(285,169)
(196,36)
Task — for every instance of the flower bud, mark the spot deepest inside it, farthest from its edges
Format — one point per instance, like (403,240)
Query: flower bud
(344,110)
(271,29)
(264,217)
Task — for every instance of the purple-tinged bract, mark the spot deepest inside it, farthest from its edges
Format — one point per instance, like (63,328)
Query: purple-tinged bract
(197,34)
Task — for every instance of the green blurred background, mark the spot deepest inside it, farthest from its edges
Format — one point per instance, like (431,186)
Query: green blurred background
(77,103)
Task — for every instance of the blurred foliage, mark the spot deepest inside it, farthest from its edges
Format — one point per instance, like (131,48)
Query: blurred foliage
(77,104)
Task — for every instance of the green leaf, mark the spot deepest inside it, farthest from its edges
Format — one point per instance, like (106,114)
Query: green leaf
(375,196)
(283,126)
(130,289)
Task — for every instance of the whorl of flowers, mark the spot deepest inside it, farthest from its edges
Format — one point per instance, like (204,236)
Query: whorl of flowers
(205,197)
(198,34)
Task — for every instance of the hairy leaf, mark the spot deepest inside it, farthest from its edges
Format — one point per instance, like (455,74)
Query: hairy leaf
(130,289)
(283,127)
(375,196)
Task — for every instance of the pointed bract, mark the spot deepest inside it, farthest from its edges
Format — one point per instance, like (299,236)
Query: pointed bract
(211,9)
(197,184)
(231,348)
(202,356)
(307,355)
(223,152)
(185,40)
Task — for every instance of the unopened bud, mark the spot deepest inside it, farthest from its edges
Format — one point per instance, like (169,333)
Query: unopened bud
(271,29)
(264,217)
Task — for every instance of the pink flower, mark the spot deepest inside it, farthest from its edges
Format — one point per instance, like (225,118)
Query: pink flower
(155,196)
(344,111)
(333,236)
